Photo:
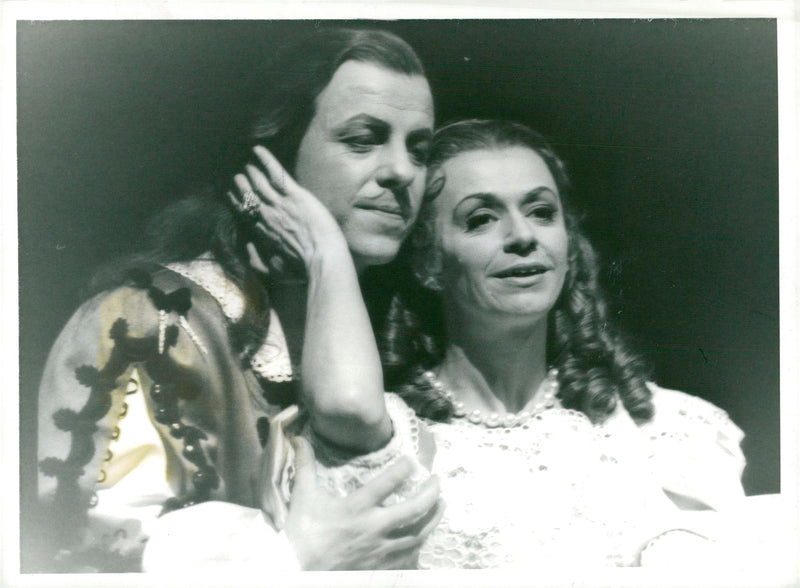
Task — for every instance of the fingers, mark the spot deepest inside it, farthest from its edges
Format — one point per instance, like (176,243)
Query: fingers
(414,508)
(402,550)
(374,492)
(271,217)
(242,183)
(304,465)
(278,177)
(255,258)
(405,559)
(434,520)
(262,185)
(271,183)
(254,180)
(243,186)
(416,534)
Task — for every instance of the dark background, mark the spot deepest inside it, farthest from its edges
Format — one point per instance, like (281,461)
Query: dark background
(669,128)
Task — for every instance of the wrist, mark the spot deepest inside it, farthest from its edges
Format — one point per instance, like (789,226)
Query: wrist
(330,255)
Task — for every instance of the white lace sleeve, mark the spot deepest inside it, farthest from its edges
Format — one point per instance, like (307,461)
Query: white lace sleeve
(694,449)
(342,473)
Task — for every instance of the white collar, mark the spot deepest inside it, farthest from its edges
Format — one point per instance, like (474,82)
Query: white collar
(272,360)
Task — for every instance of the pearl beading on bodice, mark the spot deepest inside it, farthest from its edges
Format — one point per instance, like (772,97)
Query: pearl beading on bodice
(494,420)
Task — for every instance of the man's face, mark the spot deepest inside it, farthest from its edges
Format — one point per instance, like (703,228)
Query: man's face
(364,154)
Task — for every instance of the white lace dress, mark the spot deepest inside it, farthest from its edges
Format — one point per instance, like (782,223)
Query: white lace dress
(560,489)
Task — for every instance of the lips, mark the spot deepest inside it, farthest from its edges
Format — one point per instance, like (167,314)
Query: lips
(525,270)
(386,208)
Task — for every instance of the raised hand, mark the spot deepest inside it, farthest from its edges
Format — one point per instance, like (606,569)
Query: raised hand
(356,532)
(291,219)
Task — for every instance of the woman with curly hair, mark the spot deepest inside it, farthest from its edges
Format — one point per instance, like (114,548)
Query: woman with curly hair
(551,445)
(596,369)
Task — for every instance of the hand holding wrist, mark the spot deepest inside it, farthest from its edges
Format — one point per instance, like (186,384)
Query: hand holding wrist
(357,531)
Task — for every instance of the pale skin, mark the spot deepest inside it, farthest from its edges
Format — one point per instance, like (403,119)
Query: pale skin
(363,157)
(365,146)
(345,403)
(499,209)
(502,237)
(357,532)
(500,212)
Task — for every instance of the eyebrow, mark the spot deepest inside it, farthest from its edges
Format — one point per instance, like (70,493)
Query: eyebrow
(363,118)
(493,199)
(369,120)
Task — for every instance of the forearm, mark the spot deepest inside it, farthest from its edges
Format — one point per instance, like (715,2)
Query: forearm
(342,379)
(342,376)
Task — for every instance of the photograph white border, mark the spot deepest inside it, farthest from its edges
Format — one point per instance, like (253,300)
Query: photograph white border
(786,13)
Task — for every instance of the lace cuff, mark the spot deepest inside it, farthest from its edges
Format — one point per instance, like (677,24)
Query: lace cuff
(341,473)
(338,473)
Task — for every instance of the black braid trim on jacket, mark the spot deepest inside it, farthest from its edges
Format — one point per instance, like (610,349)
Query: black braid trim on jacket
(171,383)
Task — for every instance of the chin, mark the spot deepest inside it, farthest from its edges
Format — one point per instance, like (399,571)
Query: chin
(531,309)
(374,250)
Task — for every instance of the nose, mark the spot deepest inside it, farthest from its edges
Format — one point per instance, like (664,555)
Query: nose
(396,169)
(520,235)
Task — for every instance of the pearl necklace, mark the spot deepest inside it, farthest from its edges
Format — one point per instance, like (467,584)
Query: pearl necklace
(494,420)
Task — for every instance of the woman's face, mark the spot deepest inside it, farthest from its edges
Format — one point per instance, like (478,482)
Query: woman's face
(500,227)
(363,155)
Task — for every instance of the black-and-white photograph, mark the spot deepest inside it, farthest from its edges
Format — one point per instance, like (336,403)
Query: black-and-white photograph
(412,294)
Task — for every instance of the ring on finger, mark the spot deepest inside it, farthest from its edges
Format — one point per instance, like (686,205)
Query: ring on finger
(249,204)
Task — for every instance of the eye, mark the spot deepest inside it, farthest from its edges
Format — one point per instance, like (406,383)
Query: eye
(362,142)
(479,219)
(419,152)
(544,212)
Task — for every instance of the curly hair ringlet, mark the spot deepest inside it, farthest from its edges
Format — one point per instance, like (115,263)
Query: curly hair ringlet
(596,367)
